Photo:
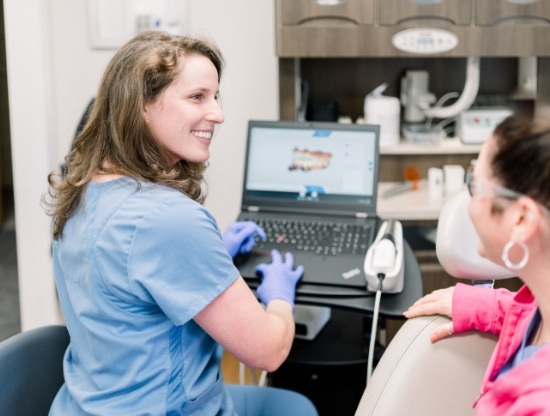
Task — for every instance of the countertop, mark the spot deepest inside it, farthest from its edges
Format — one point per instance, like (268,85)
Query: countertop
(414,204)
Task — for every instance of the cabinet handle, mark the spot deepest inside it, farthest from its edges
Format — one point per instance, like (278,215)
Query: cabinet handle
(328,2)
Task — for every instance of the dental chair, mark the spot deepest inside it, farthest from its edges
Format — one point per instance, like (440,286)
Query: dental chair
(417,378)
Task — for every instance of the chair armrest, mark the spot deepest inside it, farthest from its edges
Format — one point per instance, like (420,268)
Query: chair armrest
(418,377)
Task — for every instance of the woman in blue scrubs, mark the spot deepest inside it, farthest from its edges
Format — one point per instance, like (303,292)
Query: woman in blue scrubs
(146,282)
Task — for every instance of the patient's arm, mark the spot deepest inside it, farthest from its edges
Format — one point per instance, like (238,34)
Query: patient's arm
(469,307)
(480,308)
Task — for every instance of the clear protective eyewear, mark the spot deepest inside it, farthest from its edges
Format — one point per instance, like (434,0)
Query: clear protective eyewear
(481,187)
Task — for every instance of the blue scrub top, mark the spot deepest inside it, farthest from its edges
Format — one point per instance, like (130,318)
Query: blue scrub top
(133,267)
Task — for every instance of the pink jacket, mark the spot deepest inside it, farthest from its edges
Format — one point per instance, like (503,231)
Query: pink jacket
(525,389)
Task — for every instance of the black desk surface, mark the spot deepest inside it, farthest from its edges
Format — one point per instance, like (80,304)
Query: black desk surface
(391,305)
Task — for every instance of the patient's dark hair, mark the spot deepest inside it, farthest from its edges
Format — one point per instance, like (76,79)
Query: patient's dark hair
(115,139)
(522,158)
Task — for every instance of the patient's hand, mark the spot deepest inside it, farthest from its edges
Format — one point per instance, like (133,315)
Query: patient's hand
(439,302)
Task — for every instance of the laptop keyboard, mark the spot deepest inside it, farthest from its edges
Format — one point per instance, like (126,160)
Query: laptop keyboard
(320,237)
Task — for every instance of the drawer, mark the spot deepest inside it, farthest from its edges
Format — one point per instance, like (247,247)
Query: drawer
(395,12)
(298,12)
(493,12)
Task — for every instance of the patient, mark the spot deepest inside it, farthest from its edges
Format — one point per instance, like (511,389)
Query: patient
(509,207)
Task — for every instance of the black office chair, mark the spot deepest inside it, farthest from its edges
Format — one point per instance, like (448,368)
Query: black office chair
(31,370)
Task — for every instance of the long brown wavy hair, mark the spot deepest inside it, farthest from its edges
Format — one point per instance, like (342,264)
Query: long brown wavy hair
(116,139)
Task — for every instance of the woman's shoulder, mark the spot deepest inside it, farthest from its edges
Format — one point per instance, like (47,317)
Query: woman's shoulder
(162,204)
(143,193)
(170,199)
(146,204)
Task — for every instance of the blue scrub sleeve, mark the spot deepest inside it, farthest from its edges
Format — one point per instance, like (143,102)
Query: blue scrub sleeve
(178,260)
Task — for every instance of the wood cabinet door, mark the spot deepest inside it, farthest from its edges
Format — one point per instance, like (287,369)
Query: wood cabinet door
(494,12)
(395,12)
(298,12)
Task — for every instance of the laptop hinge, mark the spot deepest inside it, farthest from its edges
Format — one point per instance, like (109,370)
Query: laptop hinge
(361,215)
(253,209)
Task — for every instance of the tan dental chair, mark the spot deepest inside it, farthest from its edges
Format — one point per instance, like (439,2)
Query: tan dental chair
(417,378)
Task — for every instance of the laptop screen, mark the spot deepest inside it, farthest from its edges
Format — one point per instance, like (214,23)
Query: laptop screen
(311,167)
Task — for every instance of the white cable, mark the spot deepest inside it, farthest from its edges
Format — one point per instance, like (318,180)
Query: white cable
(438,104)
(263,379)
(242,381)
(471,87)
(443,123)
(242,377)
(444,98)
(374,329)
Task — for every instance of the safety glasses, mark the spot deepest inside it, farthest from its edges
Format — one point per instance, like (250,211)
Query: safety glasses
(482,188)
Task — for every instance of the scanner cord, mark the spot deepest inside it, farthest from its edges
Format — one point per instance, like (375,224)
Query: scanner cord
(242,378)
(263,379)
(374,328)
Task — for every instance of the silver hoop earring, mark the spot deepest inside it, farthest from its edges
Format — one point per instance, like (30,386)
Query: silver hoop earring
(506,259)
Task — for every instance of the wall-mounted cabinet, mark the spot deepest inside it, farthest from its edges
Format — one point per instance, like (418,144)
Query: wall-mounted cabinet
(352,28)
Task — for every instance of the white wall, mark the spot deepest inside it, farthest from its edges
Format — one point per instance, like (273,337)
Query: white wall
(52,74)
(32,140)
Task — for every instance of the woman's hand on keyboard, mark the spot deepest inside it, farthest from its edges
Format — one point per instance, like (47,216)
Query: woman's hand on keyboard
(239,237)
(279,279)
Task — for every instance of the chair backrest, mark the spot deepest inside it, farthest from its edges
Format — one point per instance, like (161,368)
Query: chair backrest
(416,377)
(457,242)
(31,370)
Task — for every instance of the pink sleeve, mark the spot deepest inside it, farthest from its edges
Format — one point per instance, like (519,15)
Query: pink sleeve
(479,308)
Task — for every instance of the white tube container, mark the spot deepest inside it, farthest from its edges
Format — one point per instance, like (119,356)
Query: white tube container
(386,112)
(435,184)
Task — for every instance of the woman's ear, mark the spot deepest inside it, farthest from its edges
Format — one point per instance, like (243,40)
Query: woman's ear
(149,107)
(527,218)
(145,113)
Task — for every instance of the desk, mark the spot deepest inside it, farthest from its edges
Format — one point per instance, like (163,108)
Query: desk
(359,300)
(391,305)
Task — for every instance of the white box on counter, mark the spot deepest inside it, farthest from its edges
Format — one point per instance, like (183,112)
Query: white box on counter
(476,125)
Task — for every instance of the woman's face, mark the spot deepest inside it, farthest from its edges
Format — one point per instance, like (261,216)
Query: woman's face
(182,118)
(493,228)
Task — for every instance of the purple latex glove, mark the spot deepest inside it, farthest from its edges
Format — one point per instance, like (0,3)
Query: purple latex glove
(278,279)
(239,237)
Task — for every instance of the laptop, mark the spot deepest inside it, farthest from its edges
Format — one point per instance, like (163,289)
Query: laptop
(317,182)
